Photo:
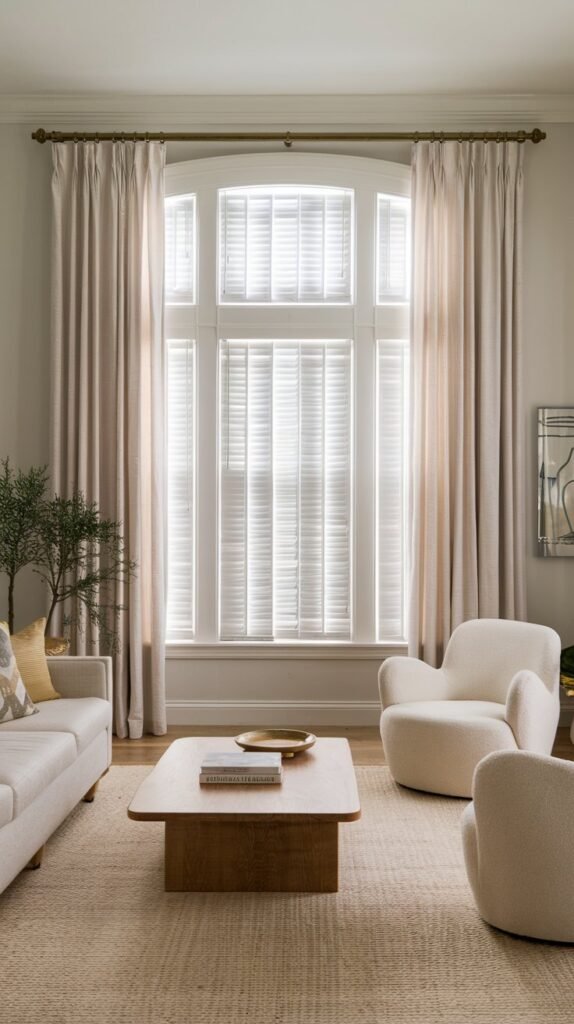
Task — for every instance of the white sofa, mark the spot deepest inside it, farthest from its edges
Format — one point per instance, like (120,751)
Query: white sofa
(518,837)
(497,689)
(51,760)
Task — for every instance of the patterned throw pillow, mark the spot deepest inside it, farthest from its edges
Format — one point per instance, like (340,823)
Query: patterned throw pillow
(14,699)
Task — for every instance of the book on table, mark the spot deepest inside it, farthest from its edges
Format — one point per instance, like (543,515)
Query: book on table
(244,779)
(255,768)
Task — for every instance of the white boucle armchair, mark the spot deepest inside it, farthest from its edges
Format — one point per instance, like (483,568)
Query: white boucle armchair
(518,837)
(497,689)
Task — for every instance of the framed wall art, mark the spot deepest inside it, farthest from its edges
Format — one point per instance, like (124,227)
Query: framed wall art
(556,481)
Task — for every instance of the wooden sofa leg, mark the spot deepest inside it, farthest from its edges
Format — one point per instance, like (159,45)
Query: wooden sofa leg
(89,796)
(36,860)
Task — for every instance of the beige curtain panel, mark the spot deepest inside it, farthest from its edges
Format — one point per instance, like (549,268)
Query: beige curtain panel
(468,493)
(108,386)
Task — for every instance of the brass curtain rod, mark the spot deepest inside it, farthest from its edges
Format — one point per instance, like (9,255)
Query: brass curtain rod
(288,138)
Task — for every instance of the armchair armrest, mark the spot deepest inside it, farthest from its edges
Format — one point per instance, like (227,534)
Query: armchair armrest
(532,712)
(82,676)
(408,679)
(470,845)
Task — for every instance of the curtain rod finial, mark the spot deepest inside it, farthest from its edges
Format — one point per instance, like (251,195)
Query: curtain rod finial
(538,135)
(40,135)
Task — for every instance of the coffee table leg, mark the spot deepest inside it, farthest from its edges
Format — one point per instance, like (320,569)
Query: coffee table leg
(252,856)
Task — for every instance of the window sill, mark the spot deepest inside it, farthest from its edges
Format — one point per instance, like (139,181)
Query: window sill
(294,651)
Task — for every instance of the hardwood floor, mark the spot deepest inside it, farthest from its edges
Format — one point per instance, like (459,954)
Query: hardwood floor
(365,743)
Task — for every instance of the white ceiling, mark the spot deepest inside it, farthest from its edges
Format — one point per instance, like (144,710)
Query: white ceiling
(286,46)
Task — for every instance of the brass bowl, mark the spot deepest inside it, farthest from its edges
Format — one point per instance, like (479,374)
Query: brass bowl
(287,742)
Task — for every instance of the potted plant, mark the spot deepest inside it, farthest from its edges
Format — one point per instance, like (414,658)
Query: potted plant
(567,670)
(82,561)
(21,498)
(79,556)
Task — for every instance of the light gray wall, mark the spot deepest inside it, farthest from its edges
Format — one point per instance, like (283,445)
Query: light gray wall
(548,323)
(548,317)
(24,321)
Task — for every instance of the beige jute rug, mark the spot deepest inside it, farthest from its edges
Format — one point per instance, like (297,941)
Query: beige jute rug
(92,936)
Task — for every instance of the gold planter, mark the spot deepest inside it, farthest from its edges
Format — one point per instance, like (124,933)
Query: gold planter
(56,645)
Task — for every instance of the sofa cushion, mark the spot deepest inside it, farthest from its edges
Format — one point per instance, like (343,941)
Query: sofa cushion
(84,717)
(15,701)
(30,761)
(30,653)
(6,805)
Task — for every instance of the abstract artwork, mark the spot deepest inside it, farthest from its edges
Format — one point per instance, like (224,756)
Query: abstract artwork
(556,481)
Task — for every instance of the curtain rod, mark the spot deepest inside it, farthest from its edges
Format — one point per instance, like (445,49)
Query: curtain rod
(288,138)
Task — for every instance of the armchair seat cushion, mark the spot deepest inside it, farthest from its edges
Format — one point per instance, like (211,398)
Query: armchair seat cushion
(435,745)
(83,717)
(453,710)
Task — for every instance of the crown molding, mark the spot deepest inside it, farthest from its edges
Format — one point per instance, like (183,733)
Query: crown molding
(154,113)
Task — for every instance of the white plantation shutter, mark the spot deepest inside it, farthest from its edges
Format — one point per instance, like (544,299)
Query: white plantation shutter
(285,489)
(285,244)
(246,498)
(267,500)
(392,454)
(180,264)
(180,487)
(180,249)
(393,248)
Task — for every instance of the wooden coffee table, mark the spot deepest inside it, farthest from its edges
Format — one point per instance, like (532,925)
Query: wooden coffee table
(251,838)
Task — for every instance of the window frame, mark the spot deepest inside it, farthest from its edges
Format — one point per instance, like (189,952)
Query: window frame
(364,321)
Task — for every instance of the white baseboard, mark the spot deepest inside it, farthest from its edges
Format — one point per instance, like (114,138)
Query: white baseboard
(273,712)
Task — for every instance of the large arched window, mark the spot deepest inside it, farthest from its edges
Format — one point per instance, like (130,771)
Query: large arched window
(287,292)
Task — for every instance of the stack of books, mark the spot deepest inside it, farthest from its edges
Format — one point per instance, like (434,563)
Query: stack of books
(241,769)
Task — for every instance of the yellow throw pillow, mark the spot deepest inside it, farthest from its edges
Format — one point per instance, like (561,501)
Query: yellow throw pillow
(28,647)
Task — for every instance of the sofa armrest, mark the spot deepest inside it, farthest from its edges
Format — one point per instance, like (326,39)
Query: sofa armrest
(74,676)
(532,712)
(408,679)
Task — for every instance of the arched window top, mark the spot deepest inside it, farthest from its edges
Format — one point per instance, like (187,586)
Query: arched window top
(288,168)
